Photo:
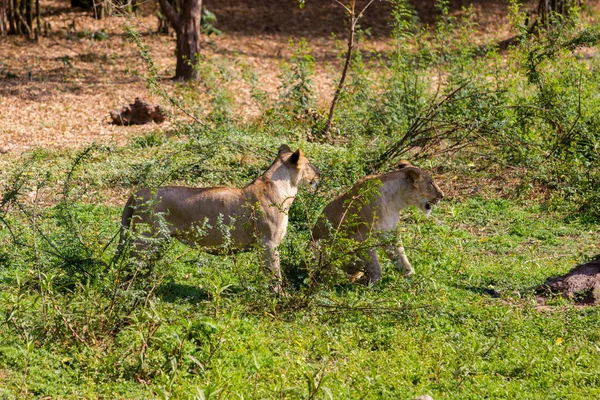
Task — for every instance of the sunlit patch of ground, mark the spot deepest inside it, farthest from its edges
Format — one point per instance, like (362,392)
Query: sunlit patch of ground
(57,92)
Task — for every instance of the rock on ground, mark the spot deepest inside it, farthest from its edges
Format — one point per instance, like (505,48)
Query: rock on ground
(581,284)
(139,113)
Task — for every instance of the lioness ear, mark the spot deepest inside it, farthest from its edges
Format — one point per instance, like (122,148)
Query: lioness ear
(404,164)
(296,156)
(413,175)
(284,148)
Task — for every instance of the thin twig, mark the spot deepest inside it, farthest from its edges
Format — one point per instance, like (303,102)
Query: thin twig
(343,5)
(341,308)
(75,334)
(340,86)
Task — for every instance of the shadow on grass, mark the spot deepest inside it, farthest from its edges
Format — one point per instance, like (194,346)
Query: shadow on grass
(480,290)
(172,292)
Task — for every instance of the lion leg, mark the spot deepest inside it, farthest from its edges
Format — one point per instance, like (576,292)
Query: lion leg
(271,260)
(372,267)
(398,256)
(356,272)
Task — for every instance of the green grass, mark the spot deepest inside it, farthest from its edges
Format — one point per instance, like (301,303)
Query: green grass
(465,326)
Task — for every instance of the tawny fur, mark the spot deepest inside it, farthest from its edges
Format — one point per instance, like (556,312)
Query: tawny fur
(256,214)
(373,205)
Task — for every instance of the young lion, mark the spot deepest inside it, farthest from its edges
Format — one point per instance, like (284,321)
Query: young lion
(256,213)
(372,205)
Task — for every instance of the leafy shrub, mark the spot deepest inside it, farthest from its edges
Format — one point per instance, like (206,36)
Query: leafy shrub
(296,92)
(551,119)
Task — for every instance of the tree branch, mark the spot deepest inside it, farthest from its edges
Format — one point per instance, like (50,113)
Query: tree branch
(343,5)
(25,24)
(340,86)
(171,15)
(351,39)
(360,14)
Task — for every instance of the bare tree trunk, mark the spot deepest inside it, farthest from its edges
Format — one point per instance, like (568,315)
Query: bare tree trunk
(188,41)
(12,4)
(21,23)
(23,17)
(10,28)
(561,7)
(3,17)
(543,11)
(29,15)
(20,10)
(187,28)
(38,30)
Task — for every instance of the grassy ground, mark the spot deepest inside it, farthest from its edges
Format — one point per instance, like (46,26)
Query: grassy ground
(467,325)
(519,208)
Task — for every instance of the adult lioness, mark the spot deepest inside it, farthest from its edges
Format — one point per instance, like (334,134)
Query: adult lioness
(256,213)
(372,205)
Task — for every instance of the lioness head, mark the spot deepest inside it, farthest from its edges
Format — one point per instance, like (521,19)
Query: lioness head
(426,193)
(305,172)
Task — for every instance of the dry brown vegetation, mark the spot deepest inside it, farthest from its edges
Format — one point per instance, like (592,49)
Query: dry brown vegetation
(58,91)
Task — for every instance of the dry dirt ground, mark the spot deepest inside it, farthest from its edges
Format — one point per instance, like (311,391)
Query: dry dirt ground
(58,91)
